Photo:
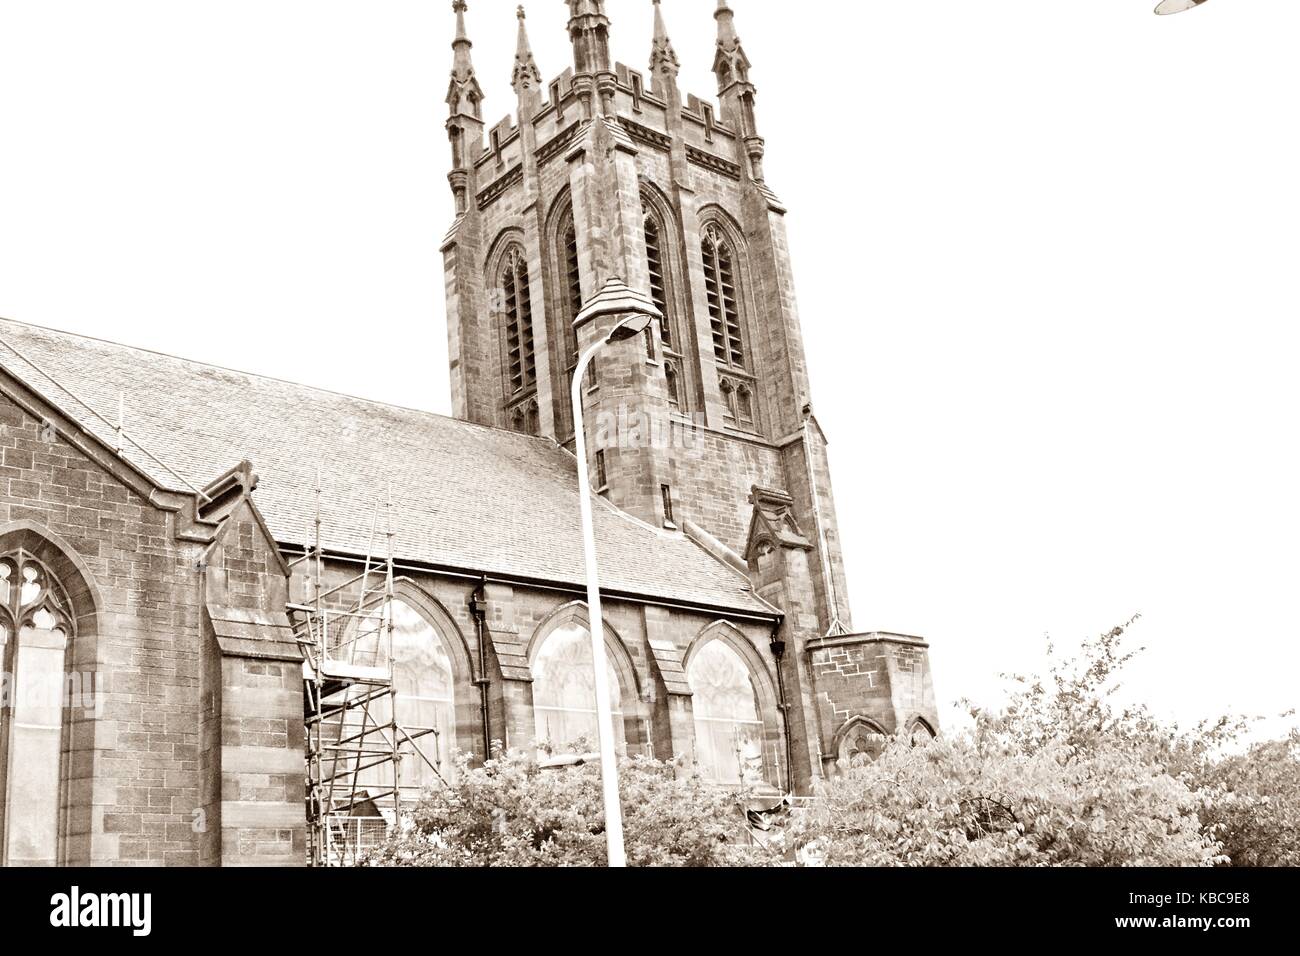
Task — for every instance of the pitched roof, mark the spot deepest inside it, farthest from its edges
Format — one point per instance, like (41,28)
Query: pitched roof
(464,496)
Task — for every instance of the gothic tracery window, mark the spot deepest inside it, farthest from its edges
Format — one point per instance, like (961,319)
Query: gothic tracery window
(728,728)
(724,303)
(569,307)
(564,693)
(735,369)
(36,628)
(424,684)
(657,241)
(520,353)
(658,280)
(572,275)
(861,745)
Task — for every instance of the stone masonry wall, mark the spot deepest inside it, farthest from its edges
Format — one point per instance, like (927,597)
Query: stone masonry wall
(135,768)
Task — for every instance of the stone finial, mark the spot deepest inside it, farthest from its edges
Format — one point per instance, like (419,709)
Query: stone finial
(663,58)
(464,95)
(730,64)
(526,76)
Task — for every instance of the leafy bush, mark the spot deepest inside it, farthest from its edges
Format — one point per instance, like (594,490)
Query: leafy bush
(1252,803)
(1056,777)
(970,801)
(511,812)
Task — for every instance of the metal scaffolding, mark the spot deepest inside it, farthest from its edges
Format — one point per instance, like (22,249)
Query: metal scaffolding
(355,743)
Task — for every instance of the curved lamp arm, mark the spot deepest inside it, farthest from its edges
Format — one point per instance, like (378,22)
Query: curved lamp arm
(1167,7)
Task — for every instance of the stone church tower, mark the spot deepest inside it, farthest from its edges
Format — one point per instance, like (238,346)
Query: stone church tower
(608,186)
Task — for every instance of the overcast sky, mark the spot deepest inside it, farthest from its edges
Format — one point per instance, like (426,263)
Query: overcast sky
(1046,254)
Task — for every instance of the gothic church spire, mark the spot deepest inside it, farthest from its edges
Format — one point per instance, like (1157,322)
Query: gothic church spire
(527,76)
(663,58)
(730,64)
(464,96)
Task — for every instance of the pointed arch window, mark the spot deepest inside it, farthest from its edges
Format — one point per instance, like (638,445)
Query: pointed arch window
(572,288)
(658,244)
(724,302)
(571,303)
(564,694)
(36,629)
(728,726)
(658,277)
(521,355)
(860,742)
(424,682)
(735,368)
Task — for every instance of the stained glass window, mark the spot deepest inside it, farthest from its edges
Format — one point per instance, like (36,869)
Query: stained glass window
(424,682)
(728,731)
(35,628)
(564,694)
(862,745)
(424,685)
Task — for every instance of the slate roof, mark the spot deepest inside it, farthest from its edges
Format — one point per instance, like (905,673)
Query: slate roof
(464,496)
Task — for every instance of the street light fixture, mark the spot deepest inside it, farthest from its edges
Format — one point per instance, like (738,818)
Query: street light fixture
(1167,7)
(639,313)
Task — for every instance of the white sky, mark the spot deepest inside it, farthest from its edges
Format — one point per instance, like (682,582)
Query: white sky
(1045,249)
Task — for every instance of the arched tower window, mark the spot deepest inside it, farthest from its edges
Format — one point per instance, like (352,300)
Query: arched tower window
(520,355)
(658,240)
(568,304)
(572,276)
(564,693)
(36,630)
(658,277)
(724,304)
(728,726)
(734,364)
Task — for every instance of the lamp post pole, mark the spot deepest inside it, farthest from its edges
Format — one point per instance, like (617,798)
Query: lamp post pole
(627,329)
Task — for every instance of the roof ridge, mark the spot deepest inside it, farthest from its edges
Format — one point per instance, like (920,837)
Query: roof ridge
(271,378)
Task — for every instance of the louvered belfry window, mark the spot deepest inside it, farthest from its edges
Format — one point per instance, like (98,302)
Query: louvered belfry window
(658,285)
(573,289)
(521,356)
(736,378)
(724,305)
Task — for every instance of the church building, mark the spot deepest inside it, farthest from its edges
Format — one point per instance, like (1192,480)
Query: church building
(188,554)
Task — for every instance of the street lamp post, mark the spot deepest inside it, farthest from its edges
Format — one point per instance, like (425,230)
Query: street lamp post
(615,298)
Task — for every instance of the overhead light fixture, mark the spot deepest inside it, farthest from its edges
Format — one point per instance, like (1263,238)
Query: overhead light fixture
(1167,7)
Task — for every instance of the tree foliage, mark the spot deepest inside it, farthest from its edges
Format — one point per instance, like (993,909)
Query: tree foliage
(1058,776)
(511,812)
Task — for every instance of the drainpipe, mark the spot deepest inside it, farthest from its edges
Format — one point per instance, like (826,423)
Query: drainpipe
(778,651)
(478,608)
